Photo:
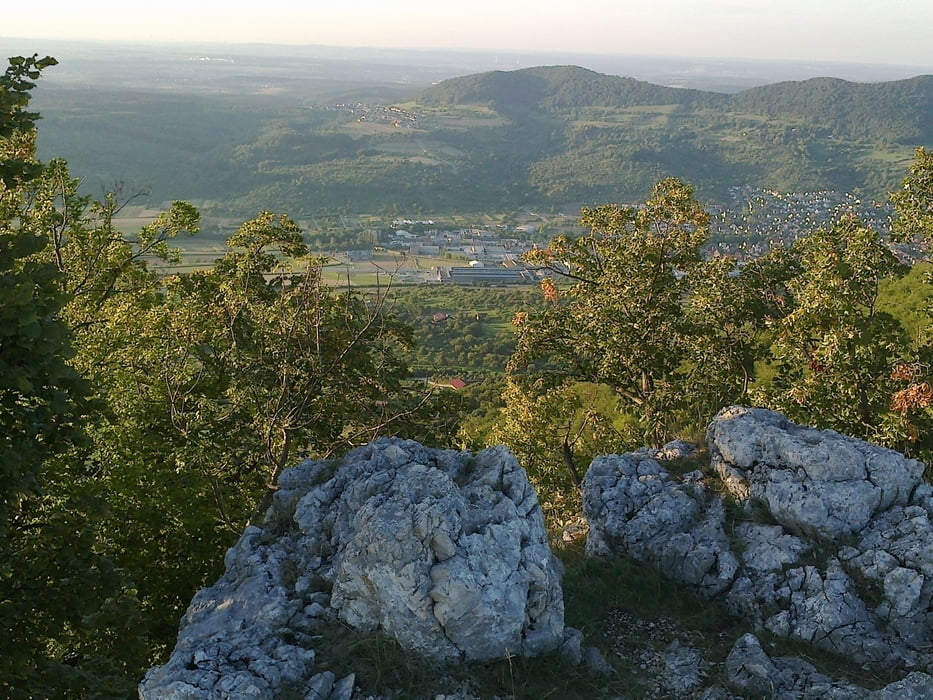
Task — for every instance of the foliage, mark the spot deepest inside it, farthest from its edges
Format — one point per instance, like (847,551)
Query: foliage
(898,109)
(68,621)
(555,434)
(38,405)
(914,200)
(623,320)
(256,349)
(913,204)
(835,352)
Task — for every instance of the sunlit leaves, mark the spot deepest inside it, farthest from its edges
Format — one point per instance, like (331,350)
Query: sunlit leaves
(68,625)
(914,200)
(836,353)
(620,309)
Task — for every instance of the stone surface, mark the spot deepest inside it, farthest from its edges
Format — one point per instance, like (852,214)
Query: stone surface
(830,541)
(750,671)
(634,506)
(813,482)
(444,551)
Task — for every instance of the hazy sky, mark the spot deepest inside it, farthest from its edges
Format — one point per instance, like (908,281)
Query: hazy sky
(864,31)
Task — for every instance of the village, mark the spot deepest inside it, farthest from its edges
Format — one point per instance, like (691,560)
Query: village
(751,223)
(452,256)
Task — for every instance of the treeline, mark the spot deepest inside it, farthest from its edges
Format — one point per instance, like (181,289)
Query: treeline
(538,137)
(146,414)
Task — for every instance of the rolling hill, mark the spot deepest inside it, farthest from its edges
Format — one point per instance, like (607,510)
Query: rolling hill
(493,141)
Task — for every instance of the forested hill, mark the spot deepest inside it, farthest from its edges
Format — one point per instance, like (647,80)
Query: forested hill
(899,111)
(557,87)
(904,107)
(592,137)
(498,141)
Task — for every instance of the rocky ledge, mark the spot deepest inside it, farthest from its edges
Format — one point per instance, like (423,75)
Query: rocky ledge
(829,540)
(806,535)
(444,551)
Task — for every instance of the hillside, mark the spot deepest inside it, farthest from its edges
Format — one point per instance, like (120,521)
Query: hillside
(617,135)
(559,87)
(494,141)
(897,111)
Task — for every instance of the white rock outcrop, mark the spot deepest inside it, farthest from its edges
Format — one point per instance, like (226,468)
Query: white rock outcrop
(816,483)
(444,551)
(832,544)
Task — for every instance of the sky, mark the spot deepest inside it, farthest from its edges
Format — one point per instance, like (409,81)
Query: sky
(854,31)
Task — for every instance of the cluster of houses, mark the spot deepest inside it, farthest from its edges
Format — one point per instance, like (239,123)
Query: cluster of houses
(380,114)
(757,219)
(489,258)
(753,222)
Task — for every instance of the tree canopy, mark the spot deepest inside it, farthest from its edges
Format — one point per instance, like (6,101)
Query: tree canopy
(146,413)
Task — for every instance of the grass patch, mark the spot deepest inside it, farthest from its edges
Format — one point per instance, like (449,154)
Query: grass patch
(593,589)
(384,669)
(613,603)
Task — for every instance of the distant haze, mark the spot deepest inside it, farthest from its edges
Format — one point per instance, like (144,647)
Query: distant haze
(851,31)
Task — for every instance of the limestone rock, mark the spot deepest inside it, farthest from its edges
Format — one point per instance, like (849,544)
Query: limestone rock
(834,546)
(684,669)
(813,482)
(444,551)
(750,671)
(634,506)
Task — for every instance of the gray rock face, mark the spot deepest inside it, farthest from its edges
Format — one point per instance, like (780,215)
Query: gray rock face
(749,670)
(814,482)
(634,506)
(446,552)
(835,547)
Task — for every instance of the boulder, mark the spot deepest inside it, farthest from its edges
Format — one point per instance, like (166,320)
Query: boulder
(633,505)
(816,483)
(444,551)
(830,541)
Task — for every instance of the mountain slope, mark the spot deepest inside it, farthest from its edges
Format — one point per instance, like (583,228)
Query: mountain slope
(900,111)
(558,87)
(495,141)
(611,137)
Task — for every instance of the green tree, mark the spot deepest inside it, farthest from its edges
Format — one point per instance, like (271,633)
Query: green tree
(913,402)
(836,353)
(213,381)
(554,435)
(640,339)
(623,317)
(914,200)
(68,624)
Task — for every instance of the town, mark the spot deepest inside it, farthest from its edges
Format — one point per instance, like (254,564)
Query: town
(753,222)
